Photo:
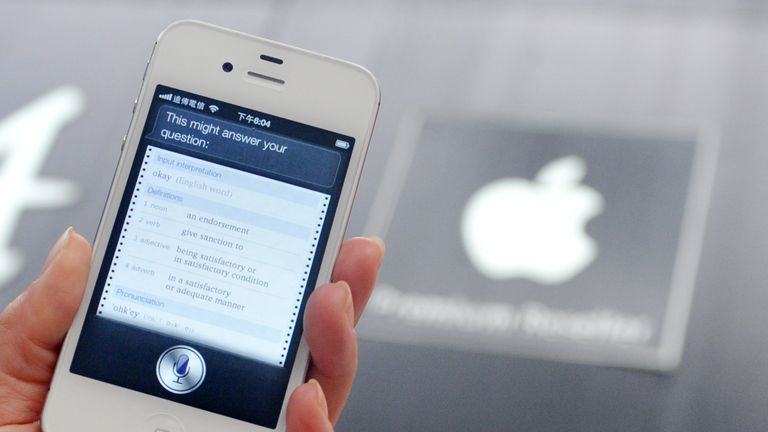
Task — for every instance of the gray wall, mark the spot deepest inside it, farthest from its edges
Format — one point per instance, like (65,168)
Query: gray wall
(607,62)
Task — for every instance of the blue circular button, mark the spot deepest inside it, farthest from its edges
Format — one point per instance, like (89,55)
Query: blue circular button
(180,369)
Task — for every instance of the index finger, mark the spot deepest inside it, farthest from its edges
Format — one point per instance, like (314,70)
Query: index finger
(358,264)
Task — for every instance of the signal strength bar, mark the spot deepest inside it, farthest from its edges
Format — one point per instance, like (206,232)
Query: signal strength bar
(166,96)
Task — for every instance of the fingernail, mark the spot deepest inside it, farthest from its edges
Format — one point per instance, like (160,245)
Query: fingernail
(380,241)
(319,396)
(349,307)
(57,247)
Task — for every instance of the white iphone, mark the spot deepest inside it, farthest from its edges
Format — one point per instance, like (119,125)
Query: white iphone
(228,207)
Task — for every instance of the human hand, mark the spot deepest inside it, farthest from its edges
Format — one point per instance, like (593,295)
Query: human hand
(33,327)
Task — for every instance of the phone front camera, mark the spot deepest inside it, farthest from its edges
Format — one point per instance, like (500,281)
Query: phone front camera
(227,67)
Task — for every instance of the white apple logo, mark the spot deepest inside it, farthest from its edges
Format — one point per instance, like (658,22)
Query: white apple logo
(513,227)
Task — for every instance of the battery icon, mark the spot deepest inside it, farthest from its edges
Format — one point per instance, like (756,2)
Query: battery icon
(342,144)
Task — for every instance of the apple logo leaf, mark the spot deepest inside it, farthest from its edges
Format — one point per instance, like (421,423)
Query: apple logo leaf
(516,228)
(566,171)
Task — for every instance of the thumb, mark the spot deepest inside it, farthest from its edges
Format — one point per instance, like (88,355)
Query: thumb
(42,314)
(308,409)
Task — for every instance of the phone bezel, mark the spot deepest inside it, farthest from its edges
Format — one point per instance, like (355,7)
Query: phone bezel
(188,55)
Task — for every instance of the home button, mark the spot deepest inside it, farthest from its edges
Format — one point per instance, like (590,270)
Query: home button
(162,423)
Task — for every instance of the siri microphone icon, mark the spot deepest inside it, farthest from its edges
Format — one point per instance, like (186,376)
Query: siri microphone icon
(181,367)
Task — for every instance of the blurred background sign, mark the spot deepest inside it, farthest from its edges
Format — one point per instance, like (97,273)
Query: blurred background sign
(585,70)
(541,239)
